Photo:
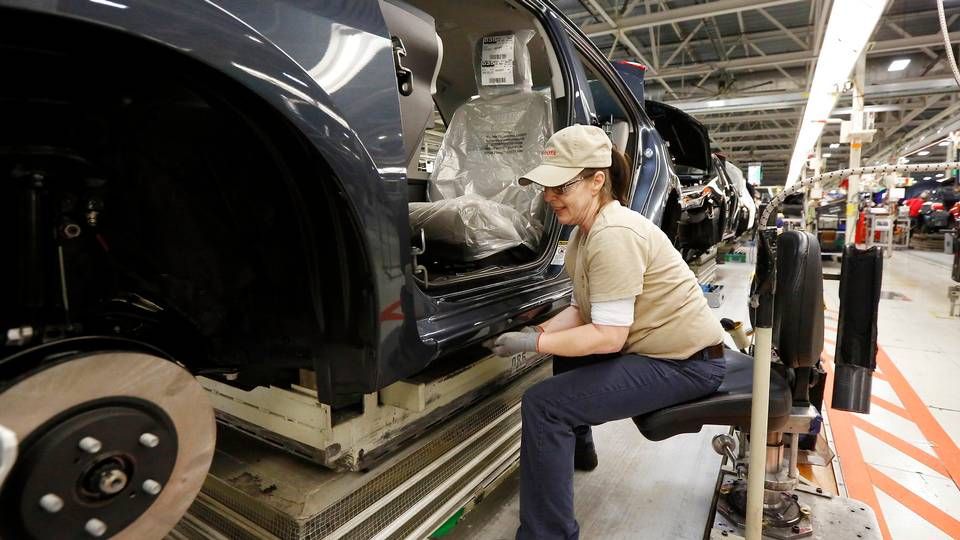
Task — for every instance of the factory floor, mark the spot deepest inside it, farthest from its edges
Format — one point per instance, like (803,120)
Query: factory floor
(903,459)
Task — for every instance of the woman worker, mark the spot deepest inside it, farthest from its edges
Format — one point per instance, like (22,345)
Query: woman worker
(638,336)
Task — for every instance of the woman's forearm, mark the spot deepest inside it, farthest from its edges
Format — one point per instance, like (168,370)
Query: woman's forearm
(568,318)
(583,340)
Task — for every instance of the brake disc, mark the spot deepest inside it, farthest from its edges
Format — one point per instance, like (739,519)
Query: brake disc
(112,444)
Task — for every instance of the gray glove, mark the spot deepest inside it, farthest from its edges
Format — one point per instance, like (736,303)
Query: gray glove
(514,342)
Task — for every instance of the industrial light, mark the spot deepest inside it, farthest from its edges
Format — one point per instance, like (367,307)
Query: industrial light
(716,103)
(939,175)
(923,153)
(828,154)
(834,145)
(945,142)
(904,160)
(843,43)
(899,64)
(926,178)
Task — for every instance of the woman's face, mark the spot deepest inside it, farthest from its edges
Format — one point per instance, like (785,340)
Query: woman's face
(576,201)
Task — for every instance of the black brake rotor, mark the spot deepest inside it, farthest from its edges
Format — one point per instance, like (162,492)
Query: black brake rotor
(128,452)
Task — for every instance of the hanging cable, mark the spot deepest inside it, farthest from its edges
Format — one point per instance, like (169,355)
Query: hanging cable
(796,187)
(946,42)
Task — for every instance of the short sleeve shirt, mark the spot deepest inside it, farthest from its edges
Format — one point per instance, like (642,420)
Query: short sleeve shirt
(626,256)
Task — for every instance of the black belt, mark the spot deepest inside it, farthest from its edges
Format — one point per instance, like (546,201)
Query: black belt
(714,351)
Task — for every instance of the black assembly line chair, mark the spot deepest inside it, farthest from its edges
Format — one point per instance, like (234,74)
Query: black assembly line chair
(798,342)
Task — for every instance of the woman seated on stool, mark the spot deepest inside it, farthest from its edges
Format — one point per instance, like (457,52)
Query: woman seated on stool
(638,336)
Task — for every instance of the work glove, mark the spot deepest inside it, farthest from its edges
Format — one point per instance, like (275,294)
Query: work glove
(514,342)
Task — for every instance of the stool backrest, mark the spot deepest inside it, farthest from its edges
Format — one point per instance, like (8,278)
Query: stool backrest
(798,304)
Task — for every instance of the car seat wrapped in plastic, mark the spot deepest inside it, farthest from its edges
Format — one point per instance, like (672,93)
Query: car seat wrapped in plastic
(475,201)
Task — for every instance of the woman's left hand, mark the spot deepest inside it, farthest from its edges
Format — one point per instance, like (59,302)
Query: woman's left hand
(512,343)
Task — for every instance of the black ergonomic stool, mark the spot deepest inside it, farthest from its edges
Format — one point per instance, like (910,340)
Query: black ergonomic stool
(798,340)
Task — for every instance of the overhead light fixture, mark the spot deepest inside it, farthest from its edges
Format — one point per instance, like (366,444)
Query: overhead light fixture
(923,153)
(945,142)
(716,103)
(828,154)
(843,43)
(904,160)
(834,145)
(926,178)
(939,175)
(899,64)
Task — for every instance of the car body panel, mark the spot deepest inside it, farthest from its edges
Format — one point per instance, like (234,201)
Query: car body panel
(291,56)
(686,138)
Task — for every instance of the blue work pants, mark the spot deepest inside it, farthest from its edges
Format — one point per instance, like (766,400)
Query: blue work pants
(588,391)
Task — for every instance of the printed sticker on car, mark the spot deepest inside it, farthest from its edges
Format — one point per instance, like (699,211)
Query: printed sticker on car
(561,254)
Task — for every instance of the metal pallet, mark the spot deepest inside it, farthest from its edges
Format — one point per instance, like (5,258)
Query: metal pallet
(257,491)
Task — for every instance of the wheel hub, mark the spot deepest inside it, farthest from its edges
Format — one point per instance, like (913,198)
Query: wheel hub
(95,458)
(102,483)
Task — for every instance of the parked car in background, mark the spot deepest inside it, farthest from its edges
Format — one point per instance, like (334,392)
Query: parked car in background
(747,213)
(713,209)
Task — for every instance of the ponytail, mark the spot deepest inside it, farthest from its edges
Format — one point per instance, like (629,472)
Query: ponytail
(616,185)
(619,177)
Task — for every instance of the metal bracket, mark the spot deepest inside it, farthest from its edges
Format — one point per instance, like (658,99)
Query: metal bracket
(417,251)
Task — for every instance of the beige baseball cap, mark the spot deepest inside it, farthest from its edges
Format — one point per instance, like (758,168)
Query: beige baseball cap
(569,151)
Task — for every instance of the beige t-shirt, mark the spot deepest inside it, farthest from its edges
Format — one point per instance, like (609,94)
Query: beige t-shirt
(625,255)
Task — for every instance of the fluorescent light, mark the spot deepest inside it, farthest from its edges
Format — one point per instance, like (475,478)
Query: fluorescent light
(843,43)
(904,160)
(899,64)
(923,153)
(716,103)
(828,154)
(835,145)
(926,178)
(944,143)
(940,175)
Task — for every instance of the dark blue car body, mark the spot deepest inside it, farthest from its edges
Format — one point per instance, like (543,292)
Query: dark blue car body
(310,267)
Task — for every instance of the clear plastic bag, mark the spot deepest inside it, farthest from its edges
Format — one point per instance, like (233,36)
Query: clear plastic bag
(490,142)
(481,226)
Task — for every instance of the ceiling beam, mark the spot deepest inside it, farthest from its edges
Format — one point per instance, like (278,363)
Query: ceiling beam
(687,13)
(752,132)
(786,141)
(784,29)
(738,118)
(943,117)
(782,100)
(801,57)
(627,42)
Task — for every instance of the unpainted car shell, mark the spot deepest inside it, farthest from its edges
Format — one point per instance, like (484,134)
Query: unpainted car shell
(285,54)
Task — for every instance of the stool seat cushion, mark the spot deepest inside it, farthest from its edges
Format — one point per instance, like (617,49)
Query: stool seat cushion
(728,406)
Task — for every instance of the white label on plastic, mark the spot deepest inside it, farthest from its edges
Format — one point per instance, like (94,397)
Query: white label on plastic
(496,73)
(560,254)
(496,61)
(497,48)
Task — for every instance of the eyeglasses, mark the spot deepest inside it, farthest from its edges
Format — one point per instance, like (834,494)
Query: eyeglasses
(563,189)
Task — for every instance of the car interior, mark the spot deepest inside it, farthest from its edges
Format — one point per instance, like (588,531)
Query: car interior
(485,96)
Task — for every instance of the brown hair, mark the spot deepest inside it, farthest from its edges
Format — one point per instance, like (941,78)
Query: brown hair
(617,178)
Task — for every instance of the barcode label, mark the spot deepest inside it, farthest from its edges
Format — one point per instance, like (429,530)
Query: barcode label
(497,48)
(496,73)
